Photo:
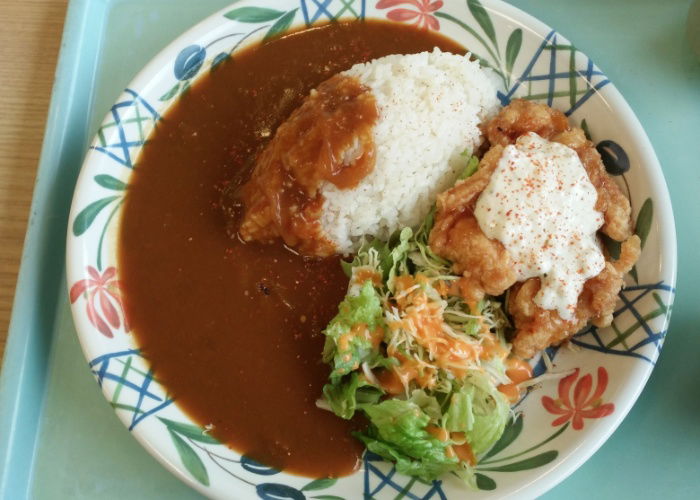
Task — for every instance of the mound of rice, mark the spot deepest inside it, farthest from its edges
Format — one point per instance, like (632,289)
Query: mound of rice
(430,105)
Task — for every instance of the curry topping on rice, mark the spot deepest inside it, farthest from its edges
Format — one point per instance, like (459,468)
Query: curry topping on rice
(327,139)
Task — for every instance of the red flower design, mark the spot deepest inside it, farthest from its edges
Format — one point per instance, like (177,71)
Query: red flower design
(421,17)
(103,300)
(583,405)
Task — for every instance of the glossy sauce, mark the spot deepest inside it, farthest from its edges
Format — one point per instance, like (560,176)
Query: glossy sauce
(233,330)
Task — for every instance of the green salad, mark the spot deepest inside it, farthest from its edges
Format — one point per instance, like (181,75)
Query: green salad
(423,366)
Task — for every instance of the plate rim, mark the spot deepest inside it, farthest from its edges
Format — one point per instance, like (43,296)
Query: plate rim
(658,188)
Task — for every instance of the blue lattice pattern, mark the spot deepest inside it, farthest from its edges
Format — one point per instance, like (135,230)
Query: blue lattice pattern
(133,119)
(633,332)
(381,478)
(576,82)
(315,11)
(134,389)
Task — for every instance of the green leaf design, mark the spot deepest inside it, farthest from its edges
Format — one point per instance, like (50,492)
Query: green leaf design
(510,434)
(612,246)
(190,459)
(281,25)
(482,17)
(223,56)
(109,182)
(483,62)
(515,40)
(253,14)
(328,497)
(586,131)
(170,93)
(527,464)
(185,88)
(642,228)
(644,218)
(320,484)
(633,273)
(88,214)
(476,35)
(191,431)
(484,482)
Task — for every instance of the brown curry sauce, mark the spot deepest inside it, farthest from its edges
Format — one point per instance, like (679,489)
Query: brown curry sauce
(234,330)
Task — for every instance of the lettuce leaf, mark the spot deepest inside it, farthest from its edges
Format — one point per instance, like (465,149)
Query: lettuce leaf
(424,260)
(478,409)
(375,253)
(398,257)
(345,397)
(349,353)
(495,367)
(429,404)
(389,258)
(425,469)
(398,433)
(471,168)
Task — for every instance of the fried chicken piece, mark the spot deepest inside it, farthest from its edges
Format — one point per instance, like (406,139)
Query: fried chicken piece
(612,203)
(486,265)
(521,117)
(537,328)
(456,236)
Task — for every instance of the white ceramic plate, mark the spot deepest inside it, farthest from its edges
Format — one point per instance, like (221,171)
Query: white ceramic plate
(563,423)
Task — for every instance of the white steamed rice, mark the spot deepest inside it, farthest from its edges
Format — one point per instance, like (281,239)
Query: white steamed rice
(430,105)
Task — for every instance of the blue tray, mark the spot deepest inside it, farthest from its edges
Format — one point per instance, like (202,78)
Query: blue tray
(60,438)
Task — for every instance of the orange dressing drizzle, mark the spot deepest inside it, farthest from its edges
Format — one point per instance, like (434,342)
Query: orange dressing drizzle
(517,371)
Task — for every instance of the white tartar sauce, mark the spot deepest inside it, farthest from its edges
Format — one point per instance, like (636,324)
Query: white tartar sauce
(540,204)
